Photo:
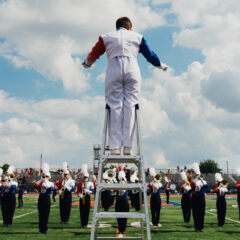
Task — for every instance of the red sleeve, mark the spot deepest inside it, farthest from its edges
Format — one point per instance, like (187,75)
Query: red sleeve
(96,52)
(238,184)
(59,186)
(79,187)
(216,189)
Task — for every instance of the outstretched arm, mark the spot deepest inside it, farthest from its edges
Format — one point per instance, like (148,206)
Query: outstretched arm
(150,55)
(96,52)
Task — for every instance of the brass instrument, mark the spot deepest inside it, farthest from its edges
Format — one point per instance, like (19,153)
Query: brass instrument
(224,183)
(157,178)
(111,175)
(84,193)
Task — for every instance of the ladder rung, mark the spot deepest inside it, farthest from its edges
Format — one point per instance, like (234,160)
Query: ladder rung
(118,186)
(125,238)
(120,215)
(120,159)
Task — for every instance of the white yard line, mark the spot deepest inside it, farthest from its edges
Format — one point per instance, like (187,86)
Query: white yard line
(25,214)
(232,220)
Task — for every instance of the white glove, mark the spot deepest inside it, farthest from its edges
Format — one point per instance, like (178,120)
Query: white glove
(88,191)
(85,65)
(80,195)
(163,68)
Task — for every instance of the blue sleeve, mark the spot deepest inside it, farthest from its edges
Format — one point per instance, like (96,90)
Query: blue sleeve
(149,54)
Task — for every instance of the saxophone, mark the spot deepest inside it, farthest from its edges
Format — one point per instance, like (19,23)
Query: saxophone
(63,188)
(84,193)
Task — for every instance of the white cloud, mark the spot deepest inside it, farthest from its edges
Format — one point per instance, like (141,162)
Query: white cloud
(160,160)
(185,118)
(223,90)
(49,36)
(61,129)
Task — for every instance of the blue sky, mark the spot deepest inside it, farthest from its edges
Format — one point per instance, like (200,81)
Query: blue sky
(49,104)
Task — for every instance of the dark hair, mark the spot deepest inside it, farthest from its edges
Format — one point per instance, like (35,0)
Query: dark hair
(124,22)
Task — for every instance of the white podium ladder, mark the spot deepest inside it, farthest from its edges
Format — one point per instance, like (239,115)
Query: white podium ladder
(106,158)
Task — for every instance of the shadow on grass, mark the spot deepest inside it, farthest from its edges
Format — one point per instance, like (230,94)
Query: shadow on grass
(80,233)
(171,231)
(12,233)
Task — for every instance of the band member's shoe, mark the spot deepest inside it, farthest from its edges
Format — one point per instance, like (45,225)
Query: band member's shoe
(127,151)
(116,151)
(159,225)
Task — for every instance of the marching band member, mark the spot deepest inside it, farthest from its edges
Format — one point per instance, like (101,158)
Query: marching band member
(238,190)
(9,198)
(122,204)
(167,189)
(1,186)
(20,192)
(135,194)
(84,190)
(55,190)
(155,201)
(66,186)
(198,199)
(44,187)
(122,80)
(221,190)
(107,195)
(94,180)
(186,201)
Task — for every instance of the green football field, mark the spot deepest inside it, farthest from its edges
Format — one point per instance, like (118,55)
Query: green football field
(25,223)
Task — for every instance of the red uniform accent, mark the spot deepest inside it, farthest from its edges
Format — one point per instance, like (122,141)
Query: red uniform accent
(238,184)
(166,187)
(192,184)
(97,51)
(79,187)
(38,186)
(59,185)
(216,189)
(150,186)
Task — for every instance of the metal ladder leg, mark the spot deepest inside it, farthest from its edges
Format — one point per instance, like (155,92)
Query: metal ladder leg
(138,160)
(97,199)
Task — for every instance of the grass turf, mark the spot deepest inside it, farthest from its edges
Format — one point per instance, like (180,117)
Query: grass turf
(25,227)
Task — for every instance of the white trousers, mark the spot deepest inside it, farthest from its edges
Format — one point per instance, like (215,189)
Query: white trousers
(122,90)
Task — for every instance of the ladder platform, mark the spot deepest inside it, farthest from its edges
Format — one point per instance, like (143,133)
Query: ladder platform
(121,159)
(120,215)
(125,238)
(119,186)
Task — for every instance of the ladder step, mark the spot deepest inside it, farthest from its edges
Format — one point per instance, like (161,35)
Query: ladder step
(125,238)
(120,215)
(118,186)
(121,159)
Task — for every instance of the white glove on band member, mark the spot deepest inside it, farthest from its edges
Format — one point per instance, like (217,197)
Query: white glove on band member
(163,68)
(86,64)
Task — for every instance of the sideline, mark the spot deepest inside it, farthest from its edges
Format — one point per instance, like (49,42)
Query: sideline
(232,220)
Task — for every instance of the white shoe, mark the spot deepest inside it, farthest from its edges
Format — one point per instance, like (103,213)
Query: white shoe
(120,235)
(159,225)
(116,151)
(127,151)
